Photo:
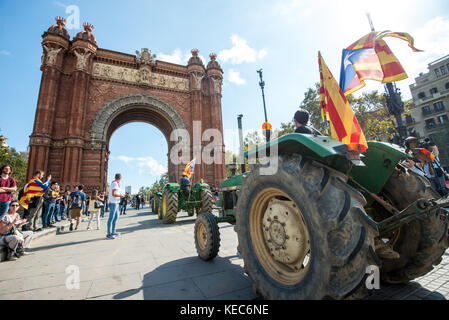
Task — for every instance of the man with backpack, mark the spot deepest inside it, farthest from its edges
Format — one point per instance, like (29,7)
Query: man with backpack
(76,204)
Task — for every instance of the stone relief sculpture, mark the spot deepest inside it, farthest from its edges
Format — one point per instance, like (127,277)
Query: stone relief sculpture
(141,76)
(145,57)
(197,77)
(217,85)
(81,59)
(52,53)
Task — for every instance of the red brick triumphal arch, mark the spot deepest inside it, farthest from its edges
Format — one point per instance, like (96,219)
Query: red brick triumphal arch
(87,93)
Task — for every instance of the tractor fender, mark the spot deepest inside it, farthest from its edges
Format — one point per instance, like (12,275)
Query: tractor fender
(173,187)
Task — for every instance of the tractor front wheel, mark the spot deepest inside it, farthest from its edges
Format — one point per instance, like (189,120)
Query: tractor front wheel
(207,236)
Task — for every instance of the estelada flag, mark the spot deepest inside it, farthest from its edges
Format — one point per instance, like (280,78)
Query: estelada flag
(370,58)
(336,109)
(188,171)
(34,188)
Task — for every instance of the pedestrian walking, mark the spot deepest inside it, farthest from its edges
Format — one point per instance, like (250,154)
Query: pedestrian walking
(105,205)
(137,202)
(95,204)
(123,204)
(7,187)
(77,203)
(16,241)
(31,198)
(114,198)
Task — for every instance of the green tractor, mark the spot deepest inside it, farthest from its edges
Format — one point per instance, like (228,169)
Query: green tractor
(155,203)
(174,199)
(311,228)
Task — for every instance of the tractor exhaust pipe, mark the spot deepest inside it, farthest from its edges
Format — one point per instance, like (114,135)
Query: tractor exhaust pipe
(242,151)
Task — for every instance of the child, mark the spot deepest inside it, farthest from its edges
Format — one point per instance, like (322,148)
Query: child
(95,198)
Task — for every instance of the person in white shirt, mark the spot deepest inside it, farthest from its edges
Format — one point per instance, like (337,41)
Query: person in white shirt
(114,201)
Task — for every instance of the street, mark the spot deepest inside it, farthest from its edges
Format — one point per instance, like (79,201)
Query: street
(150,260)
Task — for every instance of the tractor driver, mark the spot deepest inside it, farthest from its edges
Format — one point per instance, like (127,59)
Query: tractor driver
(185,184)
(301,119)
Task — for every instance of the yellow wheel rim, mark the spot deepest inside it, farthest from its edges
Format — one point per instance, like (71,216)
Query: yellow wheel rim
(280,236)
(164,205)
(201,236)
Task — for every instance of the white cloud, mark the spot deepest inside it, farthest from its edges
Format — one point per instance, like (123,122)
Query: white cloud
(240,52)
(177,57)
(146,165)
(5,53)
(234,77)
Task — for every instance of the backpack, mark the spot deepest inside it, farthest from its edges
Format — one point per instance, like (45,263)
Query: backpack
(77,202)
(21,191)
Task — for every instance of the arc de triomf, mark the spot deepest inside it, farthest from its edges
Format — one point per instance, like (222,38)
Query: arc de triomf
(86,93)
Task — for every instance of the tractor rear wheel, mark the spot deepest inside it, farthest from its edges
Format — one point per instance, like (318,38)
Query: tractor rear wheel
(303,232)
(207,236)
(206,201)
(169,206)
(421,243)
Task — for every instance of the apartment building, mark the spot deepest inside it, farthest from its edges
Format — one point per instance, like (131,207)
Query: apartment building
(430,114)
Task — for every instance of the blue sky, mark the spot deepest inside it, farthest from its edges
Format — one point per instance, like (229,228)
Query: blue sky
(282,37)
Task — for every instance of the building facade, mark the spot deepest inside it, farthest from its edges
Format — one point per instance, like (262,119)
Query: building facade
(430,115)
(87,92)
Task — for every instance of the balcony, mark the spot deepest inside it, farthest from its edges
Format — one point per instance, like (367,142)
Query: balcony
(427,112)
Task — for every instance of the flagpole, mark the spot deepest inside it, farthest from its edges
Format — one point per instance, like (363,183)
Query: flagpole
(370,22)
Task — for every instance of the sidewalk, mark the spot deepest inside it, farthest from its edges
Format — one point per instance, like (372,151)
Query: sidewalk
(151,260)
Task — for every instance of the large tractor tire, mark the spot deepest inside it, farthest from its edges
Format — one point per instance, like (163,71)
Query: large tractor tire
(421,242)
(207,201)
(169,206)
(207,236)
(303,232)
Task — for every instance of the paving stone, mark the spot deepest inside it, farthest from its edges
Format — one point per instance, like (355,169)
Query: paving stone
(114,284)
(221,283)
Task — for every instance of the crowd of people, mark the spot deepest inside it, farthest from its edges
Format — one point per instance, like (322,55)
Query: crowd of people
(49,202)
(430,165)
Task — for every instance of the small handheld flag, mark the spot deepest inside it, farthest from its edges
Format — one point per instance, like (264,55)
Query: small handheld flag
(190,167)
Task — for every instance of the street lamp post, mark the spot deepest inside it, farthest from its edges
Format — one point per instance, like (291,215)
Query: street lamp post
(262,86)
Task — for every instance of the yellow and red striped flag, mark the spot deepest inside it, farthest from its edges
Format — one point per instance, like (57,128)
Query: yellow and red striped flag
(33,189)
(371,58)
(335,108)
(190,167)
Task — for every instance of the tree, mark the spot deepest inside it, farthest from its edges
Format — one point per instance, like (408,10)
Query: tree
(369,108)
(288,127)
(15,160)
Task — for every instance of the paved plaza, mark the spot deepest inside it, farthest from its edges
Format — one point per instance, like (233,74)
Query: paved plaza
(151,260)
